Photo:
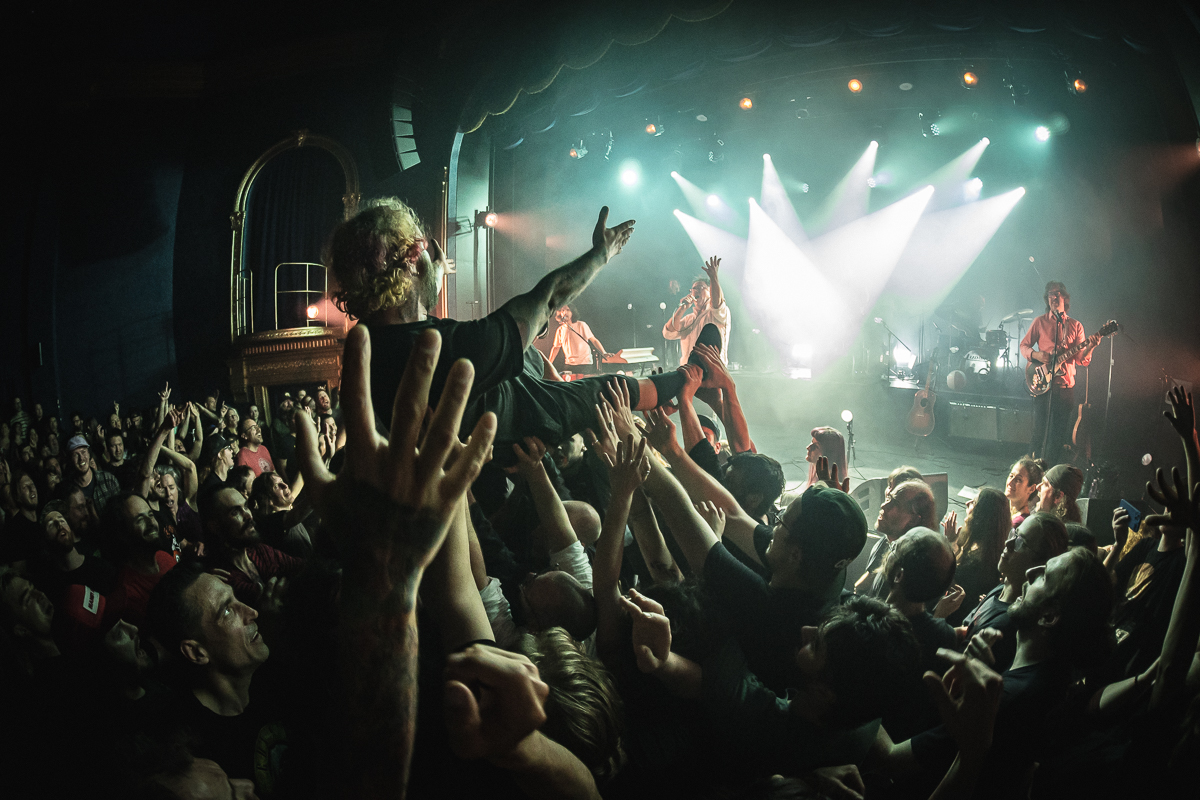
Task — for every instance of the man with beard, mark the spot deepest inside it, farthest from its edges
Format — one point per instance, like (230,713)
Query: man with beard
(254,453)
(131,529)
(75,583)
(97,485)
(114,459)
(233,540)
(909,505)
(1061,624)
(390,273)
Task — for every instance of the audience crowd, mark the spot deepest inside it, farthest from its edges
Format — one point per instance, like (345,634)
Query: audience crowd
(203,600)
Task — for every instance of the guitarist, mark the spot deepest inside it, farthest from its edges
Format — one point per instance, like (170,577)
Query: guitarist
(1054,411)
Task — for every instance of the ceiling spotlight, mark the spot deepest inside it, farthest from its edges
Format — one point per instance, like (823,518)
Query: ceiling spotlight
(906,86)
(746,104)
(1042,133)
(871,182)
(713,201)
(631,173)
(701,118)
(847,416)
(579,150)
(929,123)
(311,312)
(652,129)
(804,188)
(490,219)
(970,80)
(1080,86)
(855,85)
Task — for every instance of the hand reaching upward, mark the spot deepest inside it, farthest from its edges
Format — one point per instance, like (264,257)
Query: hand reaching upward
(609,241)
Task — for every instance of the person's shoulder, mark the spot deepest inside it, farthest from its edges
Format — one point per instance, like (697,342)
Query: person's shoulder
(166,561)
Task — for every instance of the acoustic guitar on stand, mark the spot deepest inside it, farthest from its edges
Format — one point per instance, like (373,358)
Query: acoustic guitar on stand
(1039,377)
(920,419)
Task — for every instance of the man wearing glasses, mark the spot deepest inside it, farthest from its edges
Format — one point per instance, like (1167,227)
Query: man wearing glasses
(254,453)
(1040,537)
(1054,411)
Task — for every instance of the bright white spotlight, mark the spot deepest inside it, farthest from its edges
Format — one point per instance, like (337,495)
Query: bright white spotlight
(804,188)
(631,176)
(312,312)
(662,306)
(903,357)
(674,174)
(766,156)
(847,416)
(874,143)
(872,182)
(802,351)
(986,140)
(713,201)
(972,189)
(676,212)
(1042,133)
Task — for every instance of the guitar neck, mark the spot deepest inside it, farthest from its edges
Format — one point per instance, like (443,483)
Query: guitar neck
(1088,342)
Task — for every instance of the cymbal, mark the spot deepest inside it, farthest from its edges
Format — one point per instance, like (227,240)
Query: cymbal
(1025,312)
(1022,314)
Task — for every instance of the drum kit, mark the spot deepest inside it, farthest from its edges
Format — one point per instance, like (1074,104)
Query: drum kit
(993,355)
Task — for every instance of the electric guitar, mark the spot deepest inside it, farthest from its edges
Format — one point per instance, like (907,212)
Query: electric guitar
(920,419)
(1040,377)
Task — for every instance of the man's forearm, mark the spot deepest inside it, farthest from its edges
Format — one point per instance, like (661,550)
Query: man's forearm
(545,770)
(682,676)
(551,512)
(650,541)
(532,309)
(689,423)
(736,426)
(691,532)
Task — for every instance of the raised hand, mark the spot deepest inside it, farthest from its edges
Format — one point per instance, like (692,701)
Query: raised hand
(950,526)
(711,267)
(1174,497)
(950,603)
(661,431)
(529,460)
(713,514)
(172,420)
(493,699)
(840,783)
(1120,527)
(165,394)
(414,492)
(651,631)
(630,468)
(828,475)
(967,697)
(604,444)
(609,241)
(1182,414)
(692,377)
(980,646)
(718,373)
(618,397)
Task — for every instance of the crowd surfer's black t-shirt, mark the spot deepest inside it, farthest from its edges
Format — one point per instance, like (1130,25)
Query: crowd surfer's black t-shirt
(508,380)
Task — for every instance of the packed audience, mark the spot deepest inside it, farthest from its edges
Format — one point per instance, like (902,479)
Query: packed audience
(200,599)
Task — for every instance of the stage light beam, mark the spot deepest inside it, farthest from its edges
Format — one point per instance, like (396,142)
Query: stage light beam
(1042,133)
(850,197)
(775,201)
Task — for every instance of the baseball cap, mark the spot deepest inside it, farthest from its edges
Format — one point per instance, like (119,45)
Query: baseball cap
(76,442)
(711,424)
(1066,479)
(832,527)
(214,444)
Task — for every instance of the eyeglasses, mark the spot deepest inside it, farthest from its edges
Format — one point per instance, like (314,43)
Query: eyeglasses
(1019,543)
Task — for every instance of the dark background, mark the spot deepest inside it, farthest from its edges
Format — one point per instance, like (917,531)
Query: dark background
(130,134)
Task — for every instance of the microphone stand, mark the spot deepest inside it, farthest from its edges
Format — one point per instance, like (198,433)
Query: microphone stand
(596,355)
(894,336)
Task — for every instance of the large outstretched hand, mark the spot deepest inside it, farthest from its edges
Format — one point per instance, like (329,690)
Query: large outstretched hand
(409,469)
(609,241)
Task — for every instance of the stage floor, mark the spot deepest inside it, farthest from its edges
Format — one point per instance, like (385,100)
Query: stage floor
(782,411)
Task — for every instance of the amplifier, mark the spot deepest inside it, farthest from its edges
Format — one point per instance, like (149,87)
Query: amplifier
(990,423)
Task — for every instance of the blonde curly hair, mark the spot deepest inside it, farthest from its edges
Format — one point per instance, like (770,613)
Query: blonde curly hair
(369,253)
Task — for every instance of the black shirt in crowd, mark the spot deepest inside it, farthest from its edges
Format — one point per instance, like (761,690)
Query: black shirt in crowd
(992,612)
(1149,580)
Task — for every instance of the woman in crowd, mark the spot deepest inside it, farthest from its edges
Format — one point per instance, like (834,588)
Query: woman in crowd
(1021,488)
(977,544)
(280,513)
(827,442)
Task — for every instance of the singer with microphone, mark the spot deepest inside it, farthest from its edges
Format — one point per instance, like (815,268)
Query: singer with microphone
(1054,412)
(575,339)
(704,305)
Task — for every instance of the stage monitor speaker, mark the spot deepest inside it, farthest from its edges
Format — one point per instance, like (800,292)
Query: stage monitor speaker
(940,483)
(973,421)
(869,495)
(855,570)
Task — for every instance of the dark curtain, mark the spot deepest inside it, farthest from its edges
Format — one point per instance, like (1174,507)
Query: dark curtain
(295,202)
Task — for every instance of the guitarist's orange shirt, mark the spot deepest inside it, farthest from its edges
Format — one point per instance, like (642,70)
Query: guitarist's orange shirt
(1041,333)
